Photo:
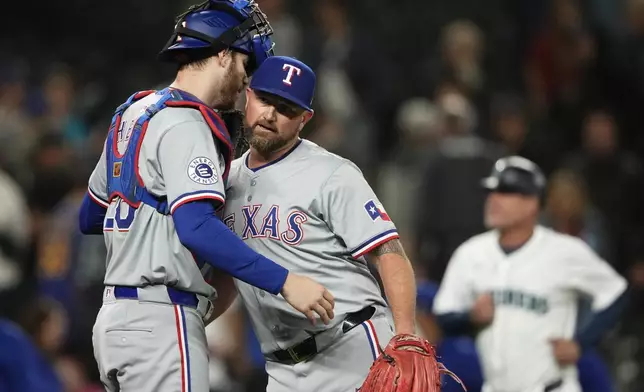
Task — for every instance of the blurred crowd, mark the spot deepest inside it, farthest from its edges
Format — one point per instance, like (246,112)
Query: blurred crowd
(423,96)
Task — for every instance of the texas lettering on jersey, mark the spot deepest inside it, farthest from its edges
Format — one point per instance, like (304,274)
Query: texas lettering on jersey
(264,222)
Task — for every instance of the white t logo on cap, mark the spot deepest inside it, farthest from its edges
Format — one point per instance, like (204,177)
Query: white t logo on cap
(291,70)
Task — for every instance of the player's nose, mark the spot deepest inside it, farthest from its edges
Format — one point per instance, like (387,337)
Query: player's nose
(271,113)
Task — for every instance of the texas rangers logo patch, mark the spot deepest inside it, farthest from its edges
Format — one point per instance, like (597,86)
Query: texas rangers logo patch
(202,171)
(376,211)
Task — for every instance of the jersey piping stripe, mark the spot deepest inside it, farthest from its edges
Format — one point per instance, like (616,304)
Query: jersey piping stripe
(185,340)
(188,197)
(372,338)
(183,348)
(286,154)
(374,242)
(97,199)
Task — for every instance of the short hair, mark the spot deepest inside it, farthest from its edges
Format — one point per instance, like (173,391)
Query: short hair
(198,64)
(198,58)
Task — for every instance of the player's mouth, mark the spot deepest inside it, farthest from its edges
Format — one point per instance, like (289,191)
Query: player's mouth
(266,128)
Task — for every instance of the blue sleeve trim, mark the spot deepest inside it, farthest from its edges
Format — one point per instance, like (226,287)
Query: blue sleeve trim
(98,200)
(374,241)
(91,216)
(455,323)
(193,196)
(600,322)
(201,231)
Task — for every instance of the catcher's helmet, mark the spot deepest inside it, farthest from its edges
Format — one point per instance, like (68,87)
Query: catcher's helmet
(214,25)
(516,174)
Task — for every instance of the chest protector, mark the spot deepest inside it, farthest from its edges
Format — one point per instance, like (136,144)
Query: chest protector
(123,178)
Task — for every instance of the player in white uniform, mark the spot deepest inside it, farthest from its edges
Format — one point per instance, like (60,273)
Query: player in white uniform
(295,202)
(154,195)
(518,286)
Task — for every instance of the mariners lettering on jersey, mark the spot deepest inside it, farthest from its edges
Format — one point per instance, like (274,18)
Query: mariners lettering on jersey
(202,171)
(261,222)
(516,298)
(291,70)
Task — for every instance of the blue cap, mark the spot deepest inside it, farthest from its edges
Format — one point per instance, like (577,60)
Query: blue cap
(286,77)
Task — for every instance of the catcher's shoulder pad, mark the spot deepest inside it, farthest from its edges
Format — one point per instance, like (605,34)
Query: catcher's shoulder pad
(408,364)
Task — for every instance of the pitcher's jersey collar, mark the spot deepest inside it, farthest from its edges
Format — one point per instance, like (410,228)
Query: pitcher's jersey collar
(299,141)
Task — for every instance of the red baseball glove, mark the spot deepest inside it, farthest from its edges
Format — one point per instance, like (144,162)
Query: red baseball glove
(408,364)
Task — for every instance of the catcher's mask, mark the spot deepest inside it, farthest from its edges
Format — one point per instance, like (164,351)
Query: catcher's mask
(206,29)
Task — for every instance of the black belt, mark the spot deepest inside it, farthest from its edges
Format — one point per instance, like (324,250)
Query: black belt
(308,348)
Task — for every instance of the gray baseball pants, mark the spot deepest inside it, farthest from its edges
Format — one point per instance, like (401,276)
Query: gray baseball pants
(150,345)
(340,367)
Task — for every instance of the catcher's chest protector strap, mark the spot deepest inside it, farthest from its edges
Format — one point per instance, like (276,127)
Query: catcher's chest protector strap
(123,178)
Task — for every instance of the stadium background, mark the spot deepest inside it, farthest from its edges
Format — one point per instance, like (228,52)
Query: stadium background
(422,95)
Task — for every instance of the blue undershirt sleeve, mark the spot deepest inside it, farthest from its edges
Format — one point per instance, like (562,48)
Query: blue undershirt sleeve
(600,322)
(201,231)
(455,323)
(91,216)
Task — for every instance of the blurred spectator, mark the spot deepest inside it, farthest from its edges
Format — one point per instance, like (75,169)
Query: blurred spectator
(356,115)
(45,321)
(569,211)
(344,126)
(225,340)
(74,375)
(457,353)
(16,130)
(51,175)
(34,347)
(622,60)
(288,33)
(459,61)
(558,66)
(250,362)
(24,366)
(605,167)
(420,122)
(450,206)
(461,58)
(71,266)
(532,140)
(60,117)
(14,239)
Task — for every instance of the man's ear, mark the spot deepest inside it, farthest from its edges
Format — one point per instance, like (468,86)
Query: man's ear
(306,117)
(224,57)
(249,94)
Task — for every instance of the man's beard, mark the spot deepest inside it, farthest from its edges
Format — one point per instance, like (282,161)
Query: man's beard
(264,146)
(231,87)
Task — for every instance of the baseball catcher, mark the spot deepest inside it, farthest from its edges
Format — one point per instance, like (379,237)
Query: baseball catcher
(408,364)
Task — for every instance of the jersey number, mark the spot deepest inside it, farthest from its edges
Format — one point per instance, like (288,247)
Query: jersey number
(120,222)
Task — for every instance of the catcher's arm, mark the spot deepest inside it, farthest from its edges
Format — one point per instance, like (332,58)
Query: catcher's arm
(398,279)
(226,293)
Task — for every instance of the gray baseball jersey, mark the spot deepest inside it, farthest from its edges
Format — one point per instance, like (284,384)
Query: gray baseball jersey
(313,213)
(142,245)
